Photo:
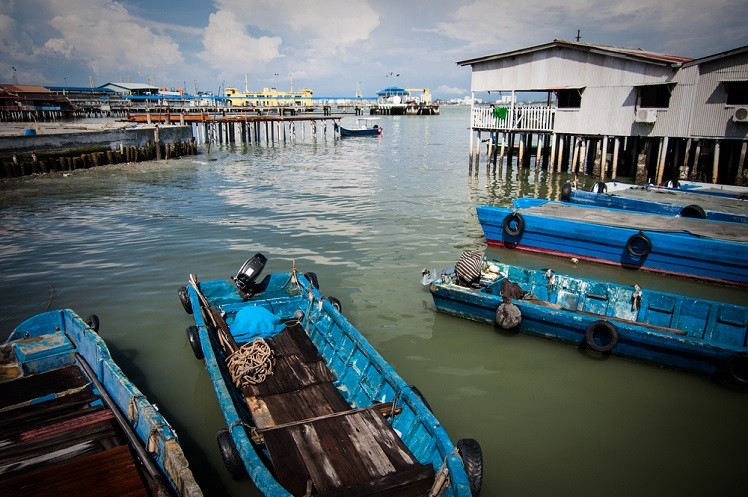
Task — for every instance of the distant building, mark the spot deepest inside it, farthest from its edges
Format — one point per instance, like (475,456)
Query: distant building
(607,105)
(32,103)
(141,89)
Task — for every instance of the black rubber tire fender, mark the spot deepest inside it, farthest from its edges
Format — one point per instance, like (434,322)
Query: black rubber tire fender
(566,192)
(472,461)
(514,224)
(336,303)
(312,277)
(737,369)
(184,298)
(93,322)
(639,245)
(601,329)
(599,187)
(230,455)
(420,396)
(693,211)
(193,337)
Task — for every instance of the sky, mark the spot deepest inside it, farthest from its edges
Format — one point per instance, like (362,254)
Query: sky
(330,46)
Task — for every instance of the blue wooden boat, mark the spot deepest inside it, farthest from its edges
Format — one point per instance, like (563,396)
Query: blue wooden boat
(311,408)
(365,128)
(662,201)
(71,423)
(706,250)
(687,333)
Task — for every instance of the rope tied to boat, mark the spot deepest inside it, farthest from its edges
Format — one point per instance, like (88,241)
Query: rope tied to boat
(441,480)
(636,299)
(251,364)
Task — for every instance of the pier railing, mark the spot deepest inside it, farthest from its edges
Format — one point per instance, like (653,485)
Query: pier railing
(519,118)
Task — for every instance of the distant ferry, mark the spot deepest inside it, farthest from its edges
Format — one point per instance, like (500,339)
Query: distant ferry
(270,97)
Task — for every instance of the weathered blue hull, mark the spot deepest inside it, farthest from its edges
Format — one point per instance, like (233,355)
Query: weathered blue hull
(363,377)
(677,248)
(686,333)
(687,204)
(54,341)
(359,132)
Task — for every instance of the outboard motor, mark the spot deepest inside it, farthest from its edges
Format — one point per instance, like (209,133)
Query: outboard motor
(249,272)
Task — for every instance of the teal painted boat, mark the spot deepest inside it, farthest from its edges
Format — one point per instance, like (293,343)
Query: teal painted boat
(687,333)
(72,423)
(310,407)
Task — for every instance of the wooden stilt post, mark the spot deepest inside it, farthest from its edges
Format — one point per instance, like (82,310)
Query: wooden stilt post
(739,180)
(477,152)
(696,158)
(715,162)
(614,166)
(575,156)
(560,159)
(552,164)
(662,160)
(604,159)
(539,151)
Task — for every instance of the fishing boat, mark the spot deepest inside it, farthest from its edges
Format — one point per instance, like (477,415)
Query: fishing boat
(705,250)
(72,423)
(662,201)
(691,334)
(311,408)
(366,127)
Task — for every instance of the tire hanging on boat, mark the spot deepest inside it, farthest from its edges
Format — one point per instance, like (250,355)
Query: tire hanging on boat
(694,211)
(639,245)
(514,224)
(472,460)
(230,455)
(312,277)
(566,192)
(601,336)
(336,304)
(737,368)
(184,298)
(193,337)
(599,187)
(93,322)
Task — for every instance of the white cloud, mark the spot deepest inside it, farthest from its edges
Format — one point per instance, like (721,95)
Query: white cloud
(451,90)
(105,36)
(229,48)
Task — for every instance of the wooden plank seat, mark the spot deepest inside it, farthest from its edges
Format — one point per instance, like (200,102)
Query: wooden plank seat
(314,437)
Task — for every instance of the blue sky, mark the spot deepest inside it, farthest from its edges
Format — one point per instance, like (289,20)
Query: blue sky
(330,46)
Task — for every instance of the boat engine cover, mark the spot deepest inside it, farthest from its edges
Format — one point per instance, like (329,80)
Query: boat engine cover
(249,272)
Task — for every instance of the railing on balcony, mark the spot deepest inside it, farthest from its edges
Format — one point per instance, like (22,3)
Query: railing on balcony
(518,118)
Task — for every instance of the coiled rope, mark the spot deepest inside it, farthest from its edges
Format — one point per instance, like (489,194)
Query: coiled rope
(251,364)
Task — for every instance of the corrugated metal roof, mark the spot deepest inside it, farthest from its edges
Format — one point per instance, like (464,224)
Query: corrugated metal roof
(24,88)
(633,53)
(720,55)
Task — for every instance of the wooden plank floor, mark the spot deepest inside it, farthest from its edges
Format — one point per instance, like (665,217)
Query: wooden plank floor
(353,453)
(56,443)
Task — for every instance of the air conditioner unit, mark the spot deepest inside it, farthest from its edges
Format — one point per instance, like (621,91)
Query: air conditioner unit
(740,115)
(646,115)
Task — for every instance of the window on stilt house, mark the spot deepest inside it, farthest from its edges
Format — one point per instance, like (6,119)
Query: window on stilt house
(654,96)
(569,98)
(737,92)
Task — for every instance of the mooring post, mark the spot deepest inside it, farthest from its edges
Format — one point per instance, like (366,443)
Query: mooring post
(157,142)
(715,161)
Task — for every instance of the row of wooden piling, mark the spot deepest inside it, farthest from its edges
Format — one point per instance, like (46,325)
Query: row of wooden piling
(37,163)
(646,159)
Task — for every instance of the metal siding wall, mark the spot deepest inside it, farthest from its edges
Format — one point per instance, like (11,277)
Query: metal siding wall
(711,116)
(609,98)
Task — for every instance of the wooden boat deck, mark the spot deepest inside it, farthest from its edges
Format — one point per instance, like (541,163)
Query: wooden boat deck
(57,441)
(731,232)
(315,438)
